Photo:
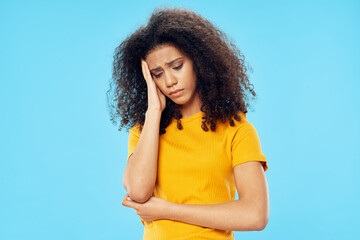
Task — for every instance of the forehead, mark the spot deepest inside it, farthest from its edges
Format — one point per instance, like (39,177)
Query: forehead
(163,54)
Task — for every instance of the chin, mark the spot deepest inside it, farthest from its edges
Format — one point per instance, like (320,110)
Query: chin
(180,101)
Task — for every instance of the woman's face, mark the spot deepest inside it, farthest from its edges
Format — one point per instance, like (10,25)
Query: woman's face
(172,70)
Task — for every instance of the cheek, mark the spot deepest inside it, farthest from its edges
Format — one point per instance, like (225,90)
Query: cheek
(191,80)
(190,77)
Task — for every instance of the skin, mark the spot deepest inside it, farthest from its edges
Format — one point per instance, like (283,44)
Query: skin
(141,171)
(179,74)
(248,213)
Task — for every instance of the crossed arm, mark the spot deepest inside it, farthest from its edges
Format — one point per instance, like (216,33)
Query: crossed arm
(249,213)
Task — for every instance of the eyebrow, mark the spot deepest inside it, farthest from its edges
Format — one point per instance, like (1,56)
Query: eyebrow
(155,69)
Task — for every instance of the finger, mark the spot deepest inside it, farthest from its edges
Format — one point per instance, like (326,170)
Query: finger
(143,67)
(159,91)
(127,197)
(147,70)
(129,203)
(143,70)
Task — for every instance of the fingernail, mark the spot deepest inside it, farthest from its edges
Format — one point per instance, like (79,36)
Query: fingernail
(128,198)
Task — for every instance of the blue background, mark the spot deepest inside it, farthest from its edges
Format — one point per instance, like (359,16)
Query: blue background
(62,160)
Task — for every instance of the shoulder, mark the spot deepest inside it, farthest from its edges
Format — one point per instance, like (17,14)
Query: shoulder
(242,125)
(242,129)
(136,130)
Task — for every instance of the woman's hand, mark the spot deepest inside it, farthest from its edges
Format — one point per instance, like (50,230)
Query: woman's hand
(154,209)
(156,99)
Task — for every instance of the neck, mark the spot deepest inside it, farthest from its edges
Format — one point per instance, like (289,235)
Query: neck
(191,109)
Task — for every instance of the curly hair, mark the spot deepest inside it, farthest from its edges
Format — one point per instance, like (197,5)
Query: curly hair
(222,82)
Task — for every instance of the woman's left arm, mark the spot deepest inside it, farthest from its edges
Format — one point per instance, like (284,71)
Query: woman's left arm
(249,213)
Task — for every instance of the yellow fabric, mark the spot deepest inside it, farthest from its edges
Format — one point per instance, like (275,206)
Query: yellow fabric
(196,167)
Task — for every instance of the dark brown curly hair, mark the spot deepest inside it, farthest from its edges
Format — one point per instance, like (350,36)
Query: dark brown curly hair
(222,82)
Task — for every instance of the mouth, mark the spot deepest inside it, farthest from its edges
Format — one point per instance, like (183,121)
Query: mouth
(176,92)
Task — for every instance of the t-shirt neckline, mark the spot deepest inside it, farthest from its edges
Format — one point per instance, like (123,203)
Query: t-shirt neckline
(192,117)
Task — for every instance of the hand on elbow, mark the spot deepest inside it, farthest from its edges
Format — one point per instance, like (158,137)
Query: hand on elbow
(137,195)
(140,198)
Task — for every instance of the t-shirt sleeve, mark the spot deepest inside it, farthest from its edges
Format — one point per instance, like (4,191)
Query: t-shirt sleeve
(246,147)
(134,135)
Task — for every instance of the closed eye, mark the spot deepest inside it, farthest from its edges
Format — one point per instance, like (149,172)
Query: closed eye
(157,76)
(178,67)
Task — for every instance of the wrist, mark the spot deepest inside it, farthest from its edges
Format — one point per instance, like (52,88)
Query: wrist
(170,210)
(153,113)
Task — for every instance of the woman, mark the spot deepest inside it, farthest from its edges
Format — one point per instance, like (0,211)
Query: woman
(182,88)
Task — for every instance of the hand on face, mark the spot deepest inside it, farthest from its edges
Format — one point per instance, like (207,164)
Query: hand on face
(172,70)
(156,99)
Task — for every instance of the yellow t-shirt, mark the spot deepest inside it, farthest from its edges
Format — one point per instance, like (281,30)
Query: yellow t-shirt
(196,167)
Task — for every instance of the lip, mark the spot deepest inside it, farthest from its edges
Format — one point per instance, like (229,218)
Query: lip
(176,92)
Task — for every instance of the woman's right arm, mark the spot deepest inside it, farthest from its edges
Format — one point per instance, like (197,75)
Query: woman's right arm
(141,169)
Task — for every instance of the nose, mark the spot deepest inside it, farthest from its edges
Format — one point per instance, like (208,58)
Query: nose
(170,80)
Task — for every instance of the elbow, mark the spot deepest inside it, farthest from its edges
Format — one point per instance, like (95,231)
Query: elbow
(261,225)
(136,195)
(139,198)
(257,222)
(261,221)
